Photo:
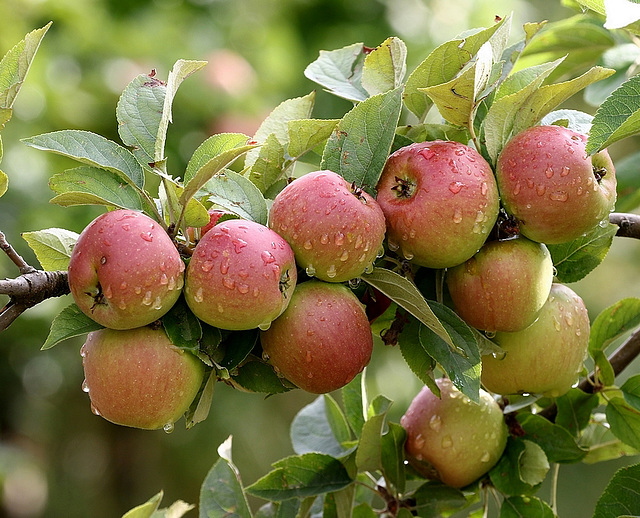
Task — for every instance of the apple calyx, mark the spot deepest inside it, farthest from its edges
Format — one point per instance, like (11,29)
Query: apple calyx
(404,188)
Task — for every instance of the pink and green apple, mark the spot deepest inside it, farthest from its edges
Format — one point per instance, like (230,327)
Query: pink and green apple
(503,286)
(552,187)
(241,276)
(322,340)
(452,438)
(440,201)
(124,270)
(546,357)
(138,378)
(335,229)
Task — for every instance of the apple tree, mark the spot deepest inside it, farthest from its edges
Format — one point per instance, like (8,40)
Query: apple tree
(444,215)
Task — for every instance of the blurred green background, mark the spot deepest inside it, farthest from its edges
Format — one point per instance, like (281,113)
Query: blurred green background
(57,458)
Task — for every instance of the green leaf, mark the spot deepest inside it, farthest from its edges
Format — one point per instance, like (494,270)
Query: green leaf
(237,194)
(369,452)
(301,476)
(509,475)
(4,183)
(354,399)
(176,510)
(195,213)
(180,71)
(201,405)
(15,65)
(462,363)
(267,168)
(182,326)
(392,456)
(612,323)
(446,61)
(237,346)
(385,66)
(147,509)
(576,259)
(624,421)
(525,507)
(68,323)
(617,117)
(416,356)
(405,293)
(210,158)
(556,441)
(602,444)
(456,99)
(340,72)
(511,98)
(574,410)
(621,495)
(423,132)
(222,494)
(628,183)
(631,391)
(5,116)
(257,376)
(277,123)
(86,185)
(307,134)
(543,100)
(573,119)
(139,112)
(360,144)
(93,150)
(52,247)
(433,499)
(312,430)
(533,464)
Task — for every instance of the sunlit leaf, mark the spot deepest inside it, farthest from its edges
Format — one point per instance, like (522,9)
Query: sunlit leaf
(354,399)
(359,146)
(201,405)
(267,168)
(385,66)
(68,323)
(145,510)
(52,247)
(91,149)
(307,134)
(4,183)
(340,72)
(612,323)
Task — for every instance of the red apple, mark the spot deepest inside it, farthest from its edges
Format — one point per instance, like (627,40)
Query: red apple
(546,357)
(503,286)
(550,185)
(458,439)
(214,216)
(138,378)
(440,201)
(241,276)
(335,229)
(125,271)
(323,339)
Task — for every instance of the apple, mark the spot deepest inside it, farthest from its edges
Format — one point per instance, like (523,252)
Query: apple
(214,216)
(503,286)
(124,270)
(546,357)
(335,229)
(138,378)
(241,276)
(451,437)
(322,340)
(440,201)
(552,187)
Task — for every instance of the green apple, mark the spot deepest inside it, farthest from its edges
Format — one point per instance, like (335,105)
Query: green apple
(138,378)
(322,340)
(552,187)
(503,286)
(451,437)
(546,357)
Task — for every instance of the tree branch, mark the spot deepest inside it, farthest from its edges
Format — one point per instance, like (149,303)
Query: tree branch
(14,256)
(628,224)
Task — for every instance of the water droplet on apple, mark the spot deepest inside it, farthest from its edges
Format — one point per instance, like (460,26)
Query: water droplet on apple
(393,246)
(559,196)
(107,291)
(308,357)
(331,271)
(338,239)
(308,245)
(486,457)
(106,242)
(541,189)
(446,442)
(310,270)
(345,256)
(168,428)
(427,153)
(419,441)
(265,325)
(457,216)
(199,296)
(565,171)
(224,267)
(435,422)
(267,257)
(94,409)
(556,324)
(354,283)
(484,188)
(310,375)
(147,236)
(242,288)
(157,304)
(238,245)
(122,305)
(85,386)
(228,283)
(456,187)
(164,280)
(369,268)
(147,299)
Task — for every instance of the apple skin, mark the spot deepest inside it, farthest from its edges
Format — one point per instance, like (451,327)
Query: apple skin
(214,216)
(546,357)
(440,201)
(241,276)
(335,230)
(503,286)
(322,340)
(550,185)
(124,270)
(138,378)
(454,436)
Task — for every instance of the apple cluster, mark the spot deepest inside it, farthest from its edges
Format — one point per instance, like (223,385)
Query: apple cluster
(446,208)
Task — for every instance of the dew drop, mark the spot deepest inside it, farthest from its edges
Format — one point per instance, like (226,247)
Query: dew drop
(122,305)
(147,236)
(484,188)
(199,296)
(408,255)
(565,171)
(324,239)
(224,267)
(435,422)
(168,428)
(126,227)
(267,257)
(446,442)
(331,271)
(308,357)
(393,246)
(516,189)
(456,187)
(107,292)
(548,172)
(94,409)
(359,241)
(207,266)
(138,290)
(308,245)
(148,298)
(265,325)
(339,239)
(85,386)
(369,268)
(457,216)
(242,288)
(310,270)
(541,189)
(345,256)
(419,441)
(103,260)
(354,283)
(556,324)
(486,457)
(164,280)
(559,196)
(157,304)
(228,283)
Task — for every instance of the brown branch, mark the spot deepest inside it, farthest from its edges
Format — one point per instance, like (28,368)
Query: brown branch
(628,224)
(22,265)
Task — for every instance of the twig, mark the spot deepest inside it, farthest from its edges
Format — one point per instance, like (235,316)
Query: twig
(628,224)
(14,256)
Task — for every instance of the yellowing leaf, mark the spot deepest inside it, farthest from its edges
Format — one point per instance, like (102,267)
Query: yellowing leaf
(52,247)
